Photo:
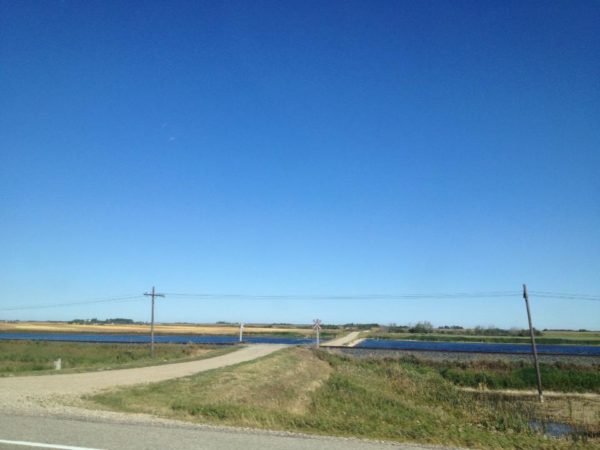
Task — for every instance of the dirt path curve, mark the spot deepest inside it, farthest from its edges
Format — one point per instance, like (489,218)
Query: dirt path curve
(76,384)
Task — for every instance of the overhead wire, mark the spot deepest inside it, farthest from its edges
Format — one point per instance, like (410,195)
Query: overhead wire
(323,297)
(566,296)
(121,299)
(211,296)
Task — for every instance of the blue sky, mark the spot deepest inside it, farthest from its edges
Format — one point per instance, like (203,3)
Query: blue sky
(300,147)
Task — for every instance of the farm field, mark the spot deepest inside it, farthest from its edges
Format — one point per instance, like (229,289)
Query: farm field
(64,327)
(304,390)
(27,358)
(547,337)
(576,335)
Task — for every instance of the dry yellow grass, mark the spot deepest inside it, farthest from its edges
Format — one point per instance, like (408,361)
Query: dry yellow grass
(282,382)
(63,327)
(289,388)
(581,409)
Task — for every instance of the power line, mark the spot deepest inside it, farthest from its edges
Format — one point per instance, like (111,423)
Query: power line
(565,296)
(434,296)
(455,295)
(122,299)
(569,294)
(323,297)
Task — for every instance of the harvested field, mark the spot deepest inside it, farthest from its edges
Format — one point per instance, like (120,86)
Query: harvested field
(63,327)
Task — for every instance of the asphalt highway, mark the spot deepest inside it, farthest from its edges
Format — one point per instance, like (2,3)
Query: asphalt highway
(21,432)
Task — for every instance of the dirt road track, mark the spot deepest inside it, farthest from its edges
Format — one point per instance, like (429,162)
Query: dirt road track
(76,384)
(344,340)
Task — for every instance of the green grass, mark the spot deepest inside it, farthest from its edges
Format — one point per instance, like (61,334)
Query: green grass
(318,392)
(555,377)
(36,357)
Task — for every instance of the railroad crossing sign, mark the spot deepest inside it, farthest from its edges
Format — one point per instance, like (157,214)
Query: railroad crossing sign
(317,328)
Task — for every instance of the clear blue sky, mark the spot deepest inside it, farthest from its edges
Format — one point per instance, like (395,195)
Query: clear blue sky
(301,147)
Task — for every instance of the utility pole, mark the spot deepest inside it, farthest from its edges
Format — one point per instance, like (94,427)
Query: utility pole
(241,332)
(533,349)
(317,328)
(152,294)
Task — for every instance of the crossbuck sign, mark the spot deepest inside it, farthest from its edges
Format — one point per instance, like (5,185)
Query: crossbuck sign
(317,328)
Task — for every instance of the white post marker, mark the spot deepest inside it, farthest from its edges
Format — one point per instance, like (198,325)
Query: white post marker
(241,331)
(317,328)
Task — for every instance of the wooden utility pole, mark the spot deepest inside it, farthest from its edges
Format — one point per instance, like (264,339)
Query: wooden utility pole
(152,294)
(533,348)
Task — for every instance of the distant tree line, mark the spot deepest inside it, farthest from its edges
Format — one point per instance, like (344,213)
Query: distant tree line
(361,326)
(493,331)
(421,327)
(426,327)
(94,321)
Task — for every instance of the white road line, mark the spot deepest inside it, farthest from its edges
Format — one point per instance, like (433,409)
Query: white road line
(41,445)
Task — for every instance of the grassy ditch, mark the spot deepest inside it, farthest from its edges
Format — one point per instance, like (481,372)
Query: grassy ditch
(559,377)
(298,389)
(36,357)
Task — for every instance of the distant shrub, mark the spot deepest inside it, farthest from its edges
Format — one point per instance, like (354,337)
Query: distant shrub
(421,327)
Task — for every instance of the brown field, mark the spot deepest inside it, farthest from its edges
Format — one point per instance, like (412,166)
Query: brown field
(63,327)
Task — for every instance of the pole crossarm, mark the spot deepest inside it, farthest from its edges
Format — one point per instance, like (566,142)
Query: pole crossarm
(150,294)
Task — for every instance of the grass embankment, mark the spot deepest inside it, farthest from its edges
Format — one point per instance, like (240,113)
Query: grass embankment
(318,392)
(36,357)
(583,339)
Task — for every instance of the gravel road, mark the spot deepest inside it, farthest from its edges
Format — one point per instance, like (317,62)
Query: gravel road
(344,340)
(30,392)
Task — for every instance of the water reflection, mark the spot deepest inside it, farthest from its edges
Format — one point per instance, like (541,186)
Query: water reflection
(554,429)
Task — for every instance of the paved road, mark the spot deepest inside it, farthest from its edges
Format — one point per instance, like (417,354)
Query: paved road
(20,432)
